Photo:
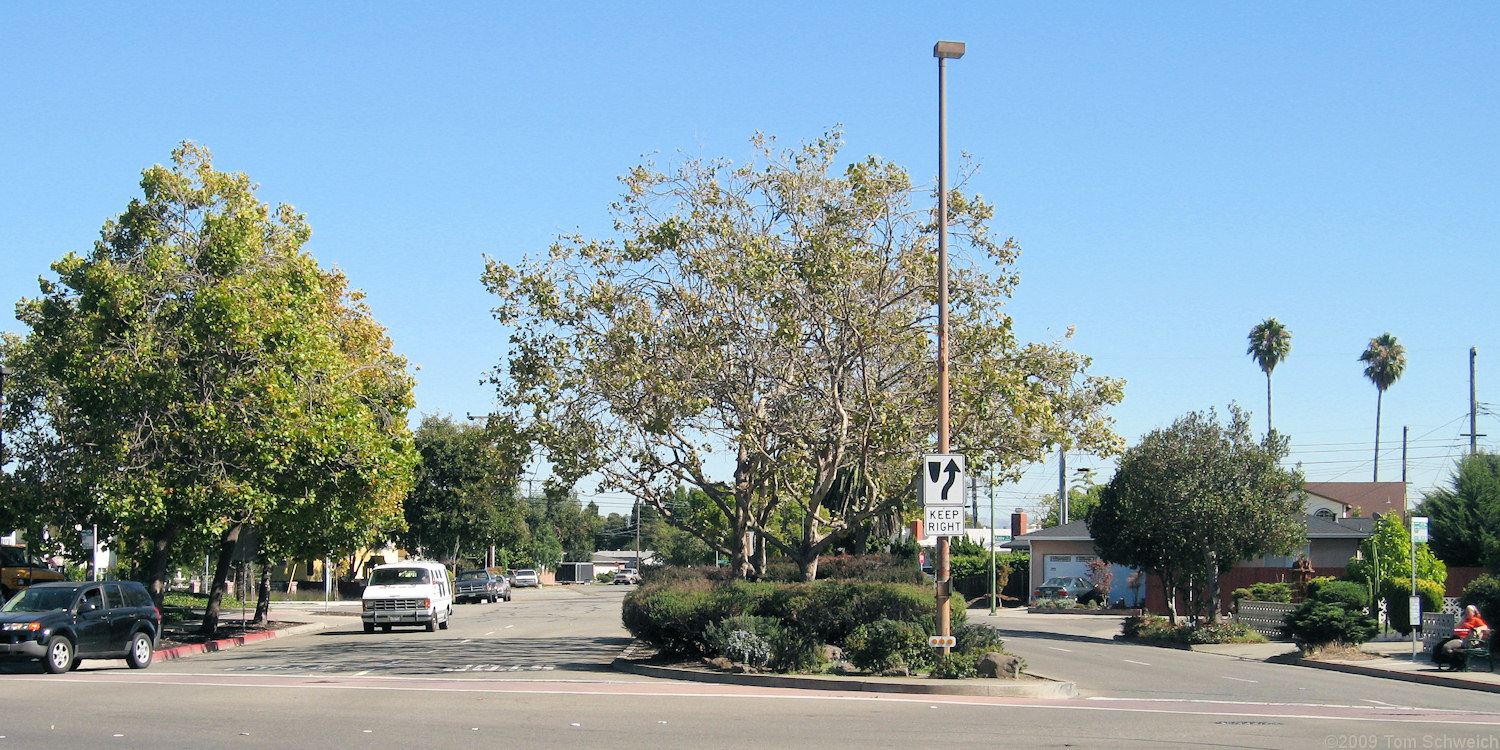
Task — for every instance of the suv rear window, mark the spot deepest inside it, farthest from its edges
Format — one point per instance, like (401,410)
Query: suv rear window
(137,596)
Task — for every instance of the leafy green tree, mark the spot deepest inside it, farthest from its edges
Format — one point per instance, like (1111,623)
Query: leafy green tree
(1191,500)
(197,372)
(782,312)
(464,498)
(1270,342)
(1081,500)
(1385,361)
(1465,517)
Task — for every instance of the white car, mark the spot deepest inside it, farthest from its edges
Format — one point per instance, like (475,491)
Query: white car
(525,578)
(627,576)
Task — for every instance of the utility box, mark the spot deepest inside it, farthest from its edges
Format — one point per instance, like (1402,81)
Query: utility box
(575,572)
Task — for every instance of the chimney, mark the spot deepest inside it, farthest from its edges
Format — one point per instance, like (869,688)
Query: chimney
(1018,524)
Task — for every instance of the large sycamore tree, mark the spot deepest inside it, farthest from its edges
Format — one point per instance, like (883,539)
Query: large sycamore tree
(1191,500)
(780,312)
(198,372)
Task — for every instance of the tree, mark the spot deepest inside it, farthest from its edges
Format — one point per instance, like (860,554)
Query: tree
(1191,500)
(1081,500)
(782,313)
(464,496)
(1465,518)
(1270,342)
(1385,361)
(197,372)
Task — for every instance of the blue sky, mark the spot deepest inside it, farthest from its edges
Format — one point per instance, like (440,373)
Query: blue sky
(1174,172)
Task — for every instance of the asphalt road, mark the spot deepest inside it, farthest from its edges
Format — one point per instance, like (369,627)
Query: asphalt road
(533,673)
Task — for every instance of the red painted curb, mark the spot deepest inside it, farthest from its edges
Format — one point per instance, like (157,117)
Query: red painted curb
(178,652)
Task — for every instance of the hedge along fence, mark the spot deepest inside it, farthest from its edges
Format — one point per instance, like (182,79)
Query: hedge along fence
(675,615)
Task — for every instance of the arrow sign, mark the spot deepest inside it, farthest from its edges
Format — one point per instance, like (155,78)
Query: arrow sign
(942,479)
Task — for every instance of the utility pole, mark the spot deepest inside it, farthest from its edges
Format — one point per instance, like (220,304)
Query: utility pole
(1473,405)
(1404,430)
(993,528)
(1062,486)
(943,51)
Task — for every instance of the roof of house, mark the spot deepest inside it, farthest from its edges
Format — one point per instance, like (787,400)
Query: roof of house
(1365,498)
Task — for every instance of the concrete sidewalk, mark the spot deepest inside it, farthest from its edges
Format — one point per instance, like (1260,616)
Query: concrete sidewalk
(1387,659)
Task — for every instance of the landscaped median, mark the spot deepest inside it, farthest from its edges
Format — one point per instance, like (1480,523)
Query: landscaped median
(831,634)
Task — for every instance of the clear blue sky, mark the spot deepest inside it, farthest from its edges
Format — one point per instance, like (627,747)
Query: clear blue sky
(1173,172)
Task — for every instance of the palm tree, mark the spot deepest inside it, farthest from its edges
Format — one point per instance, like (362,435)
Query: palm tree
(1270,342)
(1384,360)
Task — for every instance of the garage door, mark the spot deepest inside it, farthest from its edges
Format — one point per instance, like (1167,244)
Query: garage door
(1057,566)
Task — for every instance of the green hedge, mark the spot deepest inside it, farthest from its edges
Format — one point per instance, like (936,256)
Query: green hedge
(676,616)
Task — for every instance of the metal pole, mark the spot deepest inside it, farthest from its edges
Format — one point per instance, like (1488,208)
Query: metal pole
(1473,405)
(1413,625)
(942,51)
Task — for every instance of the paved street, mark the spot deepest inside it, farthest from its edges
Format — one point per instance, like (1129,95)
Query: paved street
(534,673)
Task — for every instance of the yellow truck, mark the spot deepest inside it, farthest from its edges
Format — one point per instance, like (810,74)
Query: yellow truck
(19,570)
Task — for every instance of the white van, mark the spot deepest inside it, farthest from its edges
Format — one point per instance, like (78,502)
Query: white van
(412,592)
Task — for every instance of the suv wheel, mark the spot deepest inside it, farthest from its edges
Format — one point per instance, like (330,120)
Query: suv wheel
(59,658)
(139,655)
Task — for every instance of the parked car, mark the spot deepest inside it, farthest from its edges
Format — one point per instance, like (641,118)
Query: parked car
(63,623)
(627,576)
(1069,587)
(19,570)
(479,586)
(525,578)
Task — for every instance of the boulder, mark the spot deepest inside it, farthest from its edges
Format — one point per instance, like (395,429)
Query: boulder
(998,665)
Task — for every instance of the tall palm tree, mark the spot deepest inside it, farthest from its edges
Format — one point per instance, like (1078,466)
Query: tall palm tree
(1270,342)
(1384,360)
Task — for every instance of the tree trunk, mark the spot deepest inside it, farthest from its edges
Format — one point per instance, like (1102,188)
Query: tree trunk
(263,592)
(1269,429)
(227,540)
(1379,395)
(1211,558)
(1169,593)
(807,567)
(156,567)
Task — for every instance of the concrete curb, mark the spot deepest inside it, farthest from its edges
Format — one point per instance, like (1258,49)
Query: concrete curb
(1391,674)
(1039,688)
(223,644)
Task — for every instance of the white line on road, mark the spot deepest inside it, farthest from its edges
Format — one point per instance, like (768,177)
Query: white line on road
(1054,648)
(490,633)
(1132,661)
(1239,679)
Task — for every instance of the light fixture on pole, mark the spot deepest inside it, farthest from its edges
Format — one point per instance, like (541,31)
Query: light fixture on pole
(943,51)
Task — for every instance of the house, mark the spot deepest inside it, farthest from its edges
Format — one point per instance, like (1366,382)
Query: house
(1339,517)
(1354,499)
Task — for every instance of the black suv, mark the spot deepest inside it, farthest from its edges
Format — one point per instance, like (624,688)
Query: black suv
(65,622)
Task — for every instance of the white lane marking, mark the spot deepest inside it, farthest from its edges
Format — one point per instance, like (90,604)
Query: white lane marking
(507,627)
(1054,648)
(361,673)
(1132,661)
(1239,679)
(490,633)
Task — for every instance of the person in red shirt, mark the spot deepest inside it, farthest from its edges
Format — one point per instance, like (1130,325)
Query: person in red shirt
(1472,628)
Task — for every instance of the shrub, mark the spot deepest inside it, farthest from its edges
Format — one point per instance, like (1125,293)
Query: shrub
(1333,613)
(887,644)
(1484,593)
(744,638)
(795,651)
(976,638)
(1148,627)
(1397,594)
(954,666)
(1264,592)
(673,617)
(1224,632)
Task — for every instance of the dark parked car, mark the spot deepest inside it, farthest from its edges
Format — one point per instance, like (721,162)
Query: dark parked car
(1070,587)
(66,622)
(479,586)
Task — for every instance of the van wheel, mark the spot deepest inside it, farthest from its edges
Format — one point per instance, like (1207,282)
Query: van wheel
(444,623)
(432,624)
(369,627)
(139,655)
(59,658)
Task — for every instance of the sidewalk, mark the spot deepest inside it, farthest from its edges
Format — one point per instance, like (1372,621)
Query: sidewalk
(308,619)
(1390,660)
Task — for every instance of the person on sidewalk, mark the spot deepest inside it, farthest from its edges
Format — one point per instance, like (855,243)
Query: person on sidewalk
(1472,628)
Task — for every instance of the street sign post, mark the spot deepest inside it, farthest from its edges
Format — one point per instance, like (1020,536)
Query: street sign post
(943,477)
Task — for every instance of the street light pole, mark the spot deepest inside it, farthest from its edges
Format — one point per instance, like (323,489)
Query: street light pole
(943,51)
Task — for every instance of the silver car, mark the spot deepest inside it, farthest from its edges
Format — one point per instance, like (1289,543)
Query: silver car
(525,578)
